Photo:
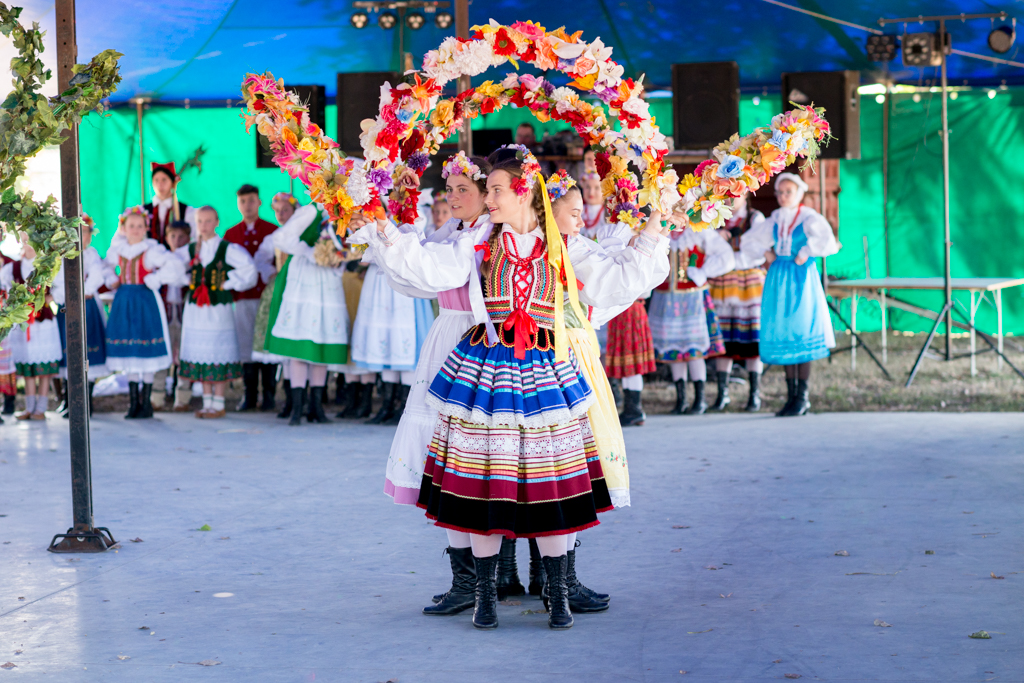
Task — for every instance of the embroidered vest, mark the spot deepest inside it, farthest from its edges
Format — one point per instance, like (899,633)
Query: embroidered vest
(133,270)
(679,261)
(45,313)
(519,282)
(210,278)
(158,229)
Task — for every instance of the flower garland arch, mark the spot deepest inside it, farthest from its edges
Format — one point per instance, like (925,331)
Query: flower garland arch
(414,118)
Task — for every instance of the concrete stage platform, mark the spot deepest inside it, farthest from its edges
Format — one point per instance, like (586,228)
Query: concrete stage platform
(724,568)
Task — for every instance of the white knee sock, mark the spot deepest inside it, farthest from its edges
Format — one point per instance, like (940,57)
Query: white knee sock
(218,403)
(551,546)
(458,539)
(207,401)
(723,364)
(147,377)
(299,372)
(134,376)
(755,365)
(168,383)
(678,371)
(42,404)
(485,546)
(317,375)
(698,370)
(633,383)
(392,376)
(570,541)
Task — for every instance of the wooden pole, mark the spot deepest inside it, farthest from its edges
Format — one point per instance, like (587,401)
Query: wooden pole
(139,104)
(464,84)
(83,536)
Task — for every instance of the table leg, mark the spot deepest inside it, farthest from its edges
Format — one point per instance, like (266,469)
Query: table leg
(999,328)
(853,328)
(885,331)
(974,362)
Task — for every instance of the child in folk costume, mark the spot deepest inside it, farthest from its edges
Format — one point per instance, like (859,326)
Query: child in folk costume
(737,298)
(165,207)
(138,341)
(440,213)
(35,345)
(250,234)
(173,295)
(308,320)
(98,276)
(466,184)
(209,344)
(8,380)
(513,452)
(796,327)
(684,326)
(267,260)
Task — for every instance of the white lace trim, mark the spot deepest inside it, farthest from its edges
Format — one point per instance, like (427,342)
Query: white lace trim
(620,497)
(548,418)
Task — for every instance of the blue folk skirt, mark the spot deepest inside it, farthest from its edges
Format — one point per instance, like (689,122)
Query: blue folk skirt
(795,323)
(95,335)
(135,328)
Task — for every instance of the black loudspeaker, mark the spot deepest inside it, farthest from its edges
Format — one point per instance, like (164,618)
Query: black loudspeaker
(315,97)
(837,92)
(705,103)
(359,98)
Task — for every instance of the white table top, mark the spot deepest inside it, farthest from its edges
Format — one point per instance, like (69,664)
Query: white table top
(977,284)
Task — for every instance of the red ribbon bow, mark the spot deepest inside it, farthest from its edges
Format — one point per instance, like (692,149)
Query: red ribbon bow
(524,326)
(486,248)
(565,280)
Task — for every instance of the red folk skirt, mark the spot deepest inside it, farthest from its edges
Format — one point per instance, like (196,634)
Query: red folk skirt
(630,349)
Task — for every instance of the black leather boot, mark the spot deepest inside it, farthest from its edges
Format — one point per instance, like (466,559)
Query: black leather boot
(699,405)
(92,386)
(387,408)
(462,595)
(485,611)
(680,398)
(298,404)
(508,582)
(616,385)
(366,402)
(268,376)
(354,394)
(801,400)
(286,411)
(571,580)
(632,414)
(339,389)
(754,400)
(559,615)
(9,404)
(145,401)
(403,397)
(722,400)
(316,400)
(537,577)
(250,377)
(790,396)
(133,401)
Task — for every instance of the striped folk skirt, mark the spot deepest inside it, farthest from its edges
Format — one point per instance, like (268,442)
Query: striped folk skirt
(630,349)
(684,326)
(513,452)
(737,297)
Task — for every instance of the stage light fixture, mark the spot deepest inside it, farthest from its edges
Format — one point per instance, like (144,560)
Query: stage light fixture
(415,21)
(1001,39)
(921,49)
(443,20)
(881,48)
(387,20)
(360,20)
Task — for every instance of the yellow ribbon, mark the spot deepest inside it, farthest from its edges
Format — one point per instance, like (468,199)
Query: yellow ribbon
(558,256)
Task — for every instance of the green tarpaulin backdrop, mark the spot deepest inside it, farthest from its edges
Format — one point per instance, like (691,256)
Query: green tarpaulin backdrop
(987,206)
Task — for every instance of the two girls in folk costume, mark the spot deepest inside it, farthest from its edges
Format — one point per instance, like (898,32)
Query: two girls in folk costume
(35,345)
(251,234)
(737,297)
(138,341)
(174,295)
(308,320)
(99,276)
(165,207)
(209,343)
(796,327)
(684,326)
(513,452)
(387,335)
(267,260)
(411,273)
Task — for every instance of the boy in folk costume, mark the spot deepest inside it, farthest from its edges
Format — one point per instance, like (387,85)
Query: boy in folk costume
(35,345)
(684,325)
(209,343)
(250,234)
(178,393)
(165,207)
(137,335)
(737,297)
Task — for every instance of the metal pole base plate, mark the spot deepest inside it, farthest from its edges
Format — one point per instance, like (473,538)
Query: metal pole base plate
(88,540)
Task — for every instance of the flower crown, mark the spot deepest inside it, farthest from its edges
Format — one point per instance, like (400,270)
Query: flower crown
(441,196)
(133,211)
(523,186)
(460,164)
(285,197)
(558,184)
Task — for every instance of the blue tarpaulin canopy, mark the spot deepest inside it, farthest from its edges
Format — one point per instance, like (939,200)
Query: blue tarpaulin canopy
(200,49)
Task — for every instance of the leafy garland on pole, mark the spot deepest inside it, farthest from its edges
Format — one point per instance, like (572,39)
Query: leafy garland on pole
(29,121)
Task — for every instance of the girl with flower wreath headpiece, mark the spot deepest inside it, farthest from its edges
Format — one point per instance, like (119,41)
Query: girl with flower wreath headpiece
(35,345)
(513,452)
(138,338)
(796,327)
